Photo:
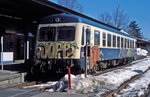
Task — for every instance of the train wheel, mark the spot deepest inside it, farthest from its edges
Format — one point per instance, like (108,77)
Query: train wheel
(96,68)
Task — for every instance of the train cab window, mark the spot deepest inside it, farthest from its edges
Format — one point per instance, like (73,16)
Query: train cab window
(104,39)
(96,38)
(47,34)
(122,43)
(66,33)
(118,41)
(114,41)
(109,40)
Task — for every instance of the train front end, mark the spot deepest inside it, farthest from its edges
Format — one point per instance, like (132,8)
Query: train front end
(57,47)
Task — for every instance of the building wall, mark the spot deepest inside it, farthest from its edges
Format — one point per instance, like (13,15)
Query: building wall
(15,35)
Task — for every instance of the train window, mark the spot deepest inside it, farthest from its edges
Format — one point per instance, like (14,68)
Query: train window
(122,43)
(109,40)
(128,43)
(66,33)
(114,41)
(96,38)
(82,36)
(104,39)
(118,41)
(133,44)
(125,43)
(47,34)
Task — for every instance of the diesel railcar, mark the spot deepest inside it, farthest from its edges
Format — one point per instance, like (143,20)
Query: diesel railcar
(66,39)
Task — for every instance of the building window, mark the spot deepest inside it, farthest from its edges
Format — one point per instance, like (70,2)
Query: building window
(109,40)
(114,41)
(118,41)
(8,43)
(96,38)
(104,39)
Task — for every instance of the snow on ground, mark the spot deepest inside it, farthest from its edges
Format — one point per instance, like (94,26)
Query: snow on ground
(139,86)
(141,52)
(99,84)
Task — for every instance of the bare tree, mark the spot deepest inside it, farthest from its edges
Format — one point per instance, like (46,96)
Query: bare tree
(117,18)
(105,17)
(72,4)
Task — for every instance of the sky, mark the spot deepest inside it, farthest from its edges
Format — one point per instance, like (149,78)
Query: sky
(137,10)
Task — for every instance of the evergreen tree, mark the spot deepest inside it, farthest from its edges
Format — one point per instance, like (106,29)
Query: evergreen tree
(134,30)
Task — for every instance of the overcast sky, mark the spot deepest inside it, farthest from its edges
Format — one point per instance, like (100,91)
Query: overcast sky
(138,10)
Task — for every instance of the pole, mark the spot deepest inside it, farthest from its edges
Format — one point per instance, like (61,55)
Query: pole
(2,53)
(86,60)
(69,77)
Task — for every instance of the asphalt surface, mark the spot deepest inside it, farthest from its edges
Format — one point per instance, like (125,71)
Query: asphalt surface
(16,92)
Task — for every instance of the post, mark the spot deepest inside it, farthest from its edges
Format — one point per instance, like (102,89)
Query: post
(69,77)
(27,49)
(2,53)
(86,60)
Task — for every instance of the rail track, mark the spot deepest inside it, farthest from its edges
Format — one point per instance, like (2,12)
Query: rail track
(122,86)
(119,67)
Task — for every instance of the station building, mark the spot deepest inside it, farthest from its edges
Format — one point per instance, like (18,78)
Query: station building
(18,26)
(143,44)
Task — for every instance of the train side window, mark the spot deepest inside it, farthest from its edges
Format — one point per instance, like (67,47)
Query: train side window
(104,39)
(109,40)
(122,42)
(125,43)
(96,38)
(128,43)
(118,41)
(82,42)
(114,41)
(133,44)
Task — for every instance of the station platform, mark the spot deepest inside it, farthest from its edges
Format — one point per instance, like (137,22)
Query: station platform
(12,73)
(10,77)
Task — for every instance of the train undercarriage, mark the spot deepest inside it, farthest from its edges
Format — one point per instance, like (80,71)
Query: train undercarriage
(60,66)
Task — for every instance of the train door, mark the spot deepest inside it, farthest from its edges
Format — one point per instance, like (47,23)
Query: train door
(87,49)
(94,51)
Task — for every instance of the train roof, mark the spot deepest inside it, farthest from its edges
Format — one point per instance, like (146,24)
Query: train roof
(70,18)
